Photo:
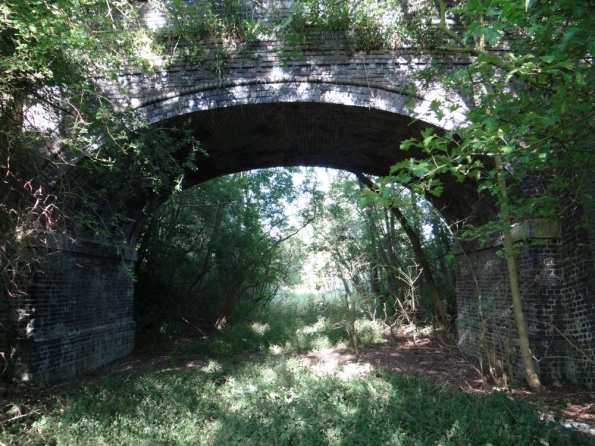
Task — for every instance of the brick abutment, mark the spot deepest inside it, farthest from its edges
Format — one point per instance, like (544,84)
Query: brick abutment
(331,107)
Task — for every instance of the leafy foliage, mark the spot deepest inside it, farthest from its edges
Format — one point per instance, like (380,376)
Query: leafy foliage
(528,139)
(290,323)
(369,25)
(218,244)
(194,27)
(370,255)
(532,104)
(48,50)
(54,55)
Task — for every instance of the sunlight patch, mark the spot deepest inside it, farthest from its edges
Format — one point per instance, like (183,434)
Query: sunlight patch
(321,343)
(259,329)
(268,375)
(353,369)
(212,367)
(323,368)
(315,328)
(276,350)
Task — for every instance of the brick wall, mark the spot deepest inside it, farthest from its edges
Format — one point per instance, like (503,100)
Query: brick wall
(556,279)
(326,58)
(79,311)
(78,314)
(258,111)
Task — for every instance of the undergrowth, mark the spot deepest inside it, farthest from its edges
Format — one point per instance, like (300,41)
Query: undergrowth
(283,401)
(280,399)
(288,324)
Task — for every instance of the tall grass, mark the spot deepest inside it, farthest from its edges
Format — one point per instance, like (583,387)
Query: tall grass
(289,324)
(281,399)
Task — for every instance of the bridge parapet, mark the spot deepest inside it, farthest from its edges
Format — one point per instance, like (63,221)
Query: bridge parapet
(327,57)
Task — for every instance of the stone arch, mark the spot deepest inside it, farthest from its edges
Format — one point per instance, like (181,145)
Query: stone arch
(353,110)
(342,126)
(82,304)
(385,98)
(79,312)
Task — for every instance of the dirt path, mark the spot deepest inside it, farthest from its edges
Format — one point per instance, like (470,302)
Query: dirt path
(442,361)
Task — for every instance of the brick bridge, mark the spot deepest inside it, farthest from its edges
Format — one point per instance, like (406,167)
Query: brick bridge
(333,108)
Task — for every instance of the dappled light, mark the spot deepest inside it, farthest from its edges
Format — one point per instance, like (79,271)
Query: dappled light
(325,396)
(181,263)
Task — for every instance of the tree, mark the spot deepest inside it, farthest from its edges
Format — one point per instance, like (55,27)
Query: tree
(49,106)
(218,246)
(531,114)
(417,249)
(370,252)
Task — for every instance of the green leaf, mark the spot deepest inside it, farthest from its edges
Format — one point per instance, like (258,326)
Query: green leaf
(420,169)
(435,105)
(407,144)
(428,140)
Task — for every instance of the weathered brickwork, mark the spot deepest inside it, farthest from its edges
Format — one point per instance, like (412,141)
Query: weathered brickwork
(331,107)
(556,278)
(78,314)
(327,59)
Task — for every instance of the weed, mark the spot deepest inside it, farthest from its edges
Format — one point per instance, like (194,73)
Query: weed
(285,400)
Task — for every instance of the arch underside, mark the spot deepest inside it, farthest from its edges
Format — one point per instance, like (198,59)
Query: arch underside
(282,134)
(298,124)
(330,109)
(337,127)
(290,134)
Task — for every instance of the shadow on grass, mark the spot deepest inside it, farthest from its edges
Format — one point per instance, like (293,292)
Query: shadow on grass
(285,401)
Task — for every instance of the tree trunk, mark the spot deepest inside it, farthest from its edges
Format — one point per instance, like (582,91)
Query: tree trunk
(521,325)
(417,250)
(196,285)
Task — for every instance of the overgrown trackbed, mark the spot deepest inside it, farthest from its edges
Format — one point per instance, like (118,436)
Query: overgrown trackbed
(436,357)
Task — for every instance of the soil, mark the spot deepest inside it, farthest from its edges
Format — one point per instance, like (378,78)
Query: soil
(434,356)
(438,358)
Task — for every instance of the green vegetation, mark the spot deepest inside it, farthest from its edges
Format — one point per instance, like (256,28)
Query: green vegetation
(291,323)
(279,399)
(48,51)
(223,250)
(230,26)
(529,135)
(56,122)
(226,25)
(369,249)
(369,25)
(52,113)
(216,246)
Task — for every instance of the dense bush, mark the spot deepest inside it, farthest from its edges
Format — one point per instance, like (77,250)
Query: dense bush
(214,247)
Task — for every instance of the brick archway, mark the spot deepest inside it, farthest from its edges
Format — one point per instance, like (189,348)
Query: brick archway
(331,108)
(302,124)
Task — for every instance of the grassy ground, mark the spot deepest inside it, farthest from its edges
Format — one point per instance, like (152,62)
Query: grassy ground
(278,398)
